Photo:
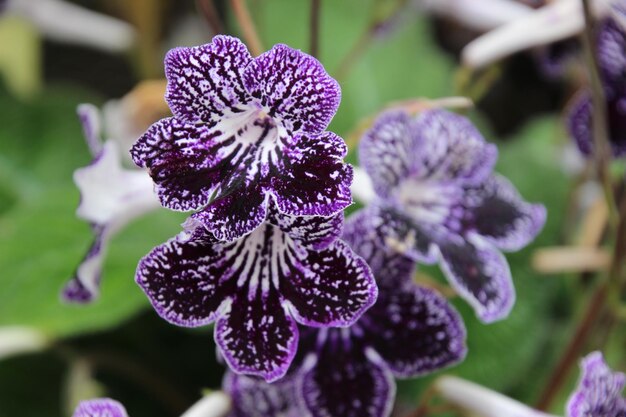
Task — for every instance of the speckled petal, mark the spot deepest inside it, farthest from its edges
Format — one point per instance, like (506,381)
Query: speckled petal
(102,407)
(294,88)
(311,232)
(385,149)
(187,279)
(253,397)
(313,180)
(599,391)
(415,330)
(449,148)
(480,274)
(256,335)
(496,211)
(205,82)
(344,379)
(335,290)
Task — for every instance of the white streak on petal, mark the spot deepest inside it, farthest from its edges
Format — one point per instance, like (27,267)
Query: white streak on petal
(216,404)
(66,22)
(362,187)
(16,340)
(480,15)
(482,401)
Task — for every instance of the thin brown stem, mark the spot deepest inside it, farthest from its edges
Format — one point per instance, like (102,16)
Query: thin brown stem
(246,24)
(314,49)
(210,14)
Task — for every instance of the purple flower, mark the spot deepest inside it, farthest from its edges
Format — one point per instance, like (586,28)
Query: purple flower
(111,197)
(288,270)
(246,131)
(611,49)
(102,407)
(410,331)
(599,391)
(439,201)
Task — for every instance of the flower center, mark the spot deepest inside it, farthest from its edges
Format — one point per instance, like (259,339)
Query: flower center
(428,202)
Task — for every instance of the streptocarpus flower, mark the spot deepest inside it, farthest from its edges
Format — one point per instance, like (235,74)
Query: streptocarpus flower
(111,197)
(610,47)
(246,132)
(288,270)
(410,331)
(599,392)
(102,407)
(439,201)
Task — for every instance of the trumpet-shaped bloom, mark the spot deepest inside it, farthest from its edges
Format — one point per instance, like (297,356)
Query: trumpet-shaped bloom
(102,407)
(611,44)
(111,197)
(246,131)
(439,201)
(599,391)
(289,270)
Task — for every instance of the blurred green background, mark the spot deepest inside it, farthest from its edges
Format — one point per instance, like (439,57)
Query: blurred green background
(118,346)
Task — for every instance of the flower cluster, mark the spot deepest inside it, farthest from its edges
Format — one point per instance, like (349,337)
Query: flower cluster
(438,200)
(247,150)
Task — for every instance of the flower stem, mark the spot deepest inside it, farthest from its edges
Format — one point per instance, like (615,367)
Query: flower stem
(315,27)
(250,34)
(210,14)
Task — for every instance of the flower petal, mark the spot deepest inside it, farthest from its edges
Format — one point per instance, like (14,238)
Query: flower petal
(599,392)
(497,212)
(205,82)
(294,88)
(253,397)
(256,336)
(311,232)
(102,407)
(415,330)
(346,380)
(481,275)
(449,148)
(236,214)
(91,122)
(186,279)
(84,287)
(385,149)
(185,161)
(611,44)
(335,290)
(313,180)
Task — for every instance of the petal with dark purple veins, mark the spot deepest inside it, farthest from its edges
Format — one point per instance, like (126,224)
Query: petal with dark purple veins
(312,179)
(335,290)
(480,274)
(415,330)
(496,211)
(84,287)
(90,120)
(385,149)
(599,391)
(256,336)
(311,232)
(101,407)
(205,82)
(294,88)
(344,379)
(253,397)
(187,279)
(449,148)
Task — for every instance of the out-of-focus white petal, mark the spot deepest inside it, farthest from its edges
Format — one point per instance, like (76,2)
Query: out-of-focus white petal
(558,20)
(362,187)
(110,194)
(215,404)
(65,22)
(15,340)
(482,401)
(480,15)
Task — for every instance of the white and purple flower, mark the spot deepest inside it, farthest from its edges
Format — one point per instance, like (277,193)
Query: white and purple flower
(101,407)
(289,270)
(439,201)
(246,132)
(611,56)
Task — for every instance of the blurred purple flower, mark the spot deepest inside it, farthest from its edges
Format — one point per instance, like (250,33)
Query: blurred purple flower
(246,133)
(102,407)
(439,201)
